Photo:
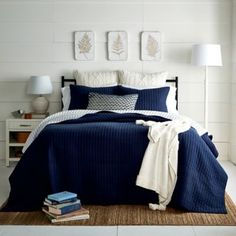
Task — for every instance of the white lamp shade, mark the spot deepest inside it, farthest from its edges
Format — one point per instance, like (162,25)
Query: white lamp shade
(39,85)
(206,55)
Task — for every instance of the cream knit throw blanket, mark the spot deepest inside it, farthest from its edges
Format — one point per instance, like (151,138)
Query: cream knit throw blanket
(158,171)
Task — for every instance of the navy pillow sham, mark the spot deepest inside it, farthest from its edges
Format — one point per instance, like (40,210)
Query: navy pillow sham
(79,95)
(148,99)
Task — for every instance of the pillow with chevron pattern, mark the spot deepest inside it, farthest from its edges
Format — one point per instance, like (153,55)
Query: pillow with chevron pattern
(99,101)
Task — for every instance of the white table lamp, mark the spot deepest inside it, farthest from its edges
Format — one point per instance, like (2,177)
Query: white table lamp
(40,85)
(206,55)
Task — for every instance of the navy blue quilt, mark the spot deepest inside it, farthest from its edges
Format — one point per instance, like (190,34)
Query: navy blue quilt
(99,156)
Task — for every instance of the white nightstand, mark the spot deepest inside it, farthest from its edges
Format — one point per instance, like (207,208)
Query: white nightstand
(17,131)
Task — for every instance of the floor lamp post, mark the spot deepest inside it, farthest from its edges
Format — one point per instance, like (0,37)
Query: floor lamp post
(206,55)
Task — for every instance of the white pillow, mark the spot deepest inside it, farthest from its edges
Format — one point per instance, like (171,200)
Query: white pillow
(171,100)
(65,97)
(96,78)
(142,80)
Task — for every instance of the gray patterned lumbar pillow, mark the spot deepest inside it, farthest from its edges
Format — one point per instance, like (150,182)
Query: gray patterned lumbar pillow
(111,102)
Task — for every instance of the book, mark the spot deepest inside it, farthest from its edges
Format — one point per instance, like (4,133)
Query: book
(61,196)
(80,217)
(81,214)
(61,205)
(39,116)
(51,202)
(65,209)
(81,211)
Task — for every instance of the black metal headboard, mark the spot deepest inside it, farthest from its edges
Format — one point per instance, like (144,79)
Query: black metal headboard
(64,81)
(174,81)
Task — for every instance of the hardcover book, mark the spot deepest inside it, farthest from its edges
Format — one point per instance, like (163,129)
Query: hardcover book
(65,209)
(51,202)
(81,217)
(81,214)
(39,116)
(81,211)
(61,196)
(62,205)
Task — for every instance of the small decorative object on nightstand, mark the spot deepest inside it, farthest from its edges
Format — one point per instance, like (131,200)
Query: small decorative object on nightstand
(17,132)
(18,113)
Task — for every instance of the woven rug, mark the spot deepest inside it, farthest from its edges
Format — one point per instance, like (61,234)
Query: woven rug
(128,215)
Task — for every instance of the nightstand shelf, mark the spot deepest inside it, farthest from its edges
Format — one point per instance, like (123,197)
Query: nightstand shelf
(17,131)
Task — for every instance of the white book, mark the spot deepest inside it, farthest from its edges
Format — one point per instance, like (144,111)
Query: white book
(79,217)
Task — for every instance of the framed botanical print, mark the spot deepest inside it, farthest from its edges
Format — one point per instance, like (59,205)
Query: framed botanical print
(84,46)
(117,45)
(151,46)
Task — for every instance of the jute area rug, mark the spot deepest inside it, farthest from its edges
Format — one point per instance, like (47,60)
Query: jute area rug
(128,215)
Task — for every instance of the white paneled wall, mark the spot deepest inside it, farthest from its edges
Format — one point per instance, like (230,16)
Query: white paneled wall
(233,97)
(37,38)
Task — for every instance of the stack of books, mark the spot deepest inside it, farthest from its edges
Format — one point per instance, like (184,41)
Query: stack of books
(39,116)
(64,206)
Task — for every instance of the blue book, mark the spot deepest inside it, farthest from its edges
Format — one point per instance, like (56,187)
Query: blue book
(51,202)
(61,196)
(65,208)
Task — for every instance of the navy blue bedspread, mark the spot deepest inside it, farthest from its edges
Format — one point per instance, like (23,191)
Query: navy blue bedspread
(99,156)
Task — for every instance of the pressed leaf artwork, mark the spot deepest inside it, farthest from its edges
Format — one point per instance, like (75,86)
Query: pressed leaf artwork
(151,46)
(117,46)
(84,45)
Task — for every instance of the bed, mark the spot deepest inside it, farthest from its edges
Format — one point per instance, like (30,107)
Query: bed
(98,153)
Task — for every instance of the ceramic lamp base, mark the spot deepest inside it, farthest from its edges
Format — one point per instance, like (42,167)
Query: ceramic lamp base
(40,105)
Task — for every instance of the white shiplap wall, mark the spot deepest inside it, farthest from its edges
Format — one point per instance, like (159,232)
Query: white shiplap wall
(233,98)
(37,38)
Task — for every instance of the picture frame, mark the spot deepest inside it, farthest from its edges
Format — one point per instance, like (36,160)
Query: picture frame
(151,46)
(84,45)
(117,46)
